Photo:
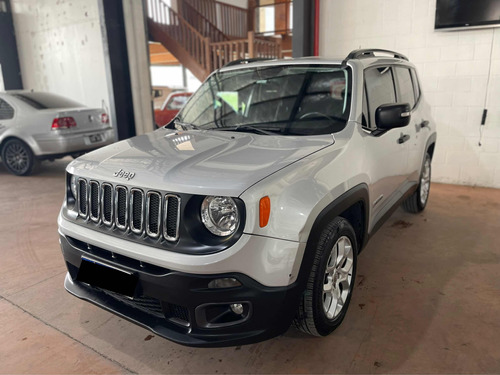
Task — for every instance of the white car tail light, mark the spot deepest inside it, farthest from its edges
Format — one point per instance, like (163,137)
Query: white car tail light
(104,118)
(63,123)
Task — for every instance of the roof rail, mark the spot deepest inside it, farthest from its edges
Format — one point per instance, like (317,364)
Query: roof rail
(246,61)
(369,52)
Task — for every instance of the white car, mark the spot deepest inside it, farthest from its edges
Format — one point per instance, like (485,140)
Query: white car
(37,126)
(248,212)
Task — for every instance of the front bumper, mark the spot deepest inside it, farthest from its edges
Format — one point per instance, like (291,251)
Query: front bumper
(178,305)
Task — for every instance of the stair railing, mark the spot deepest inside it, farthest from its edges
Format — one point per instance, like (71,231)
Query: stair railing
(181,31)
(208,55)
(230,19)
(200,22)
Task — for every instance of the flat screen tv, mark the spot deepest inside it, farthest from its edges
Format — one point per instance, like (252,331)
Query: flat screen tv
(462,14)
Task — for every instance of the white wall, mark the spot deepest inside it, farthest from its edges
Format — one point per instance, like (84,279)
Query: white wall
(453,68)
(171,76)
(61,49)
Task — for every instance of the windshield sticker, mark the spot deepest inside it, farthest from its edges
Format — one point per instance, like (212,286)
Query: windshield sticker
(230,97)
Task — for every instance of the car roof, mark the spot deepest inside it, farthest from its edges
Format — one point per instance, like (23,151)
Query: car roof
(361,58)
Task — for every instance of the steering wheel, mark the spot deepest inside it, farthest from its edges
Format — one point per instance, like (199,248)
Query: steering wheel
(316,114)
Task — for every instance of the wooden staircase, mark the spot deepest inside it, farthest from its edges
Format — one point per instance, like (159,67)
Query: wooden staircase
(193,35)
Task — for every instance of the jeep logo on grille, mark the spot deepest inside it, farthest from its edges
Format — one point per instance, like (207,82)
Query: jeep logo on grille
(122,174)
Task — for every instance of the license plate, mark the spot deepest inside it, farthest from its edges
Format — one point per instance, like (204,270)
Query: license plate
(95,138)
(107,277)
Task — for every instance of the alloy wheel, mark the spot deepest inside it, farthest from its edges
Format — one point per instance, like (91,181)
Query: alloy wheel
(338,277)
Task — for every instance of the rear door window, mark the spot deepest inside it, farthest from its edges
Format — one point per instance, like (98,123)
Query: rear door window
(379,85)
(406,94)
(6,111)
(416,86)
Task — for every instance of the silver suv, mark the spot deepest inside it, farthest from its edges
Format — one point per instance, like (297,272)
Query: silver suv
(248,211)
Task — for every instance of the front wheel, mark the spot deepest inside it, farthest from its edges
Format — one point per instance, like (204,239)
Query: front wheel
(18,157)
(416,202)
(331,281)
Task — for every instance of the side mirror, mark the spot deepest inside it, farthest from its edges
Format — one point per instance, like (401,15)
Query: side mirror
(389,116)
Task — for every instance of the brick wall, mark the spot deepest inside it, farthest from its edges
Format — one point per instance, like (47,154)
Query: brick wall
(453,69)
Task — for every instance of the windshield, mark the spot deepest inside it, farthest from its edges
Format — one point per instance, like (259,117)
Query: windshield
(288,100)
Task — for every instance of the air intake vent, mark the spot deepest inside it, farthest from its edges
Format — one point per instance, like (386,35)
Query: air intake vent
(153,214)
(95,211)
(107,204)
(82,198)
(137,210)
(177,314)
(121,207)
(172,216)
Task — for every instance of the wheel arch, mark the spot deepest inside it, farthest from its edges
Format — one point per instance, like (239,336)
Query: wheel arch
(28,141)
(353,206)
(430,145)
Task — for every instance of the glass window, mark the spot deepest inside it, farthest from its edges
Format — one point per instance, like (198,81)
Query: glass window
(416,86)
(406,93)
(44,100)
(379,89)
(176,102)
(6,111)
(290,100)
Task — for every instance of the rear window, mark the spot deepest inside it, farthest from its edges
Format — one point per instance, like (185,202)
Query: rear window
(43,100)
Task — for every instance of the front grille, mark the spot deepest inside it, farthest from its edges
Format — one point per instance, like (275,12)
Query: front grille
(172,215)
(121,207)
(107,204)
(140,211)
(153,214)
(82,198)
(94,201)
(137,210)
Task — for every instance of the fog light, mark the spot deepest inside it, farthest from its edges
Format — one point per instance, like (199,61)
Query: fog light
(237,308)
(226,282)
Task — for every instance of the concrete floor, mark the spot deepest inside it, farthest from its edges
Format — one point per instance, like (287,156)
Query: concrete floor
(427,299)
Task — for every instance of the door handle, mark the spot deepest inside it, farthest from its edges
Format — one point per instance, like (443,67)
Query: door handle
(403,138)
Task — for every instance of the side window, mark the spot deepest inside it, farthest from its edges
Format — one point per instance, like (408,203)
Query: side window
(406,93)
(416,86)
(6,111)
(379,89)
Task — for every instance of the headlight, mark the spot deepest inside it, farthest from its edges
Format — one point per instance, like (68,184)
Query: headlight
(73,186)
(220,215)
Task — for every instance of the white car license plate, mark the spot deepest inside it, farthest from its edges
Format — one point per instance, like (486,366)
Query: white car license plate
(95,138)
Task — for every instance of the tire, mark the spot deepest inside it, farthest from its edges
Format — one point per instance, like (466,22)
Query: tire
(319,313)
(416,202)
(18,157)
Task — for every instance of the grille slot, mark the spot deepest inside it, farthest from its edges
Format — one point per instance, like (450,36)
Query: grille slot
(121,207)
(137,210)
(147,304)
(177,314)
(107,204)
(153,214)
(82,198)
(171,217)
(95,211)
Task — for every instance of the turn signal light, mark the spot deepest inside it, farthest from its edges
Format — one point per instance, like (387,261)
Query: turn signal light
(63,123)
(264,211)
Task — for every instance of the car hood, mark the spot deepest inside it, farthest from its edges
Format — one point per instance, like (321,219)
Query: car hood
(196,162)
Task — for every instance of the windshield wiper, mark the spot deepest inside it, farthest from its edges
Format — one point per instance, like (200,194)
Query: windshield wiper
(244,128)
(185,125)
